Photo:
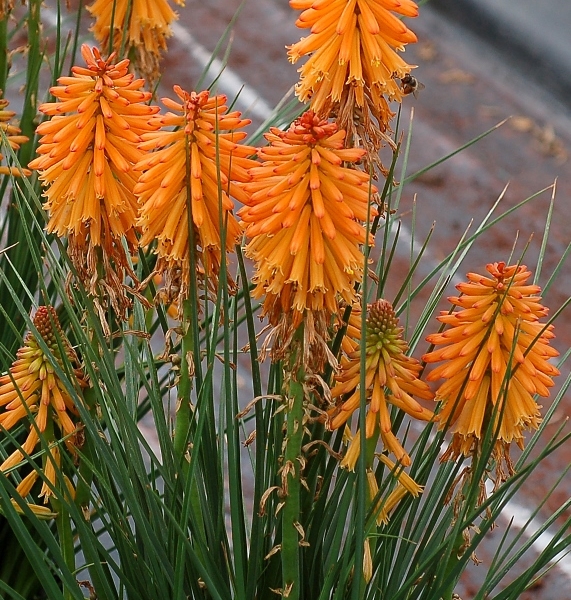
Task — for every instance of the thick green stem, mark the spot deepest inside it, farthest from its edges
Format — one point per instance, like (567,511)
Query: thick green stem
(4,58)
(291,528)
(59,503)
(458,547)
(65,535)
(27,122)
(83,491)
(184,406)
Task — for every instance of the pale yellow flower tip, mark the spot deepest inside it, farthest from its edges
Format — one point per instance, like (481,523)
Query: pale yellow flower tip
(387,368)
(405,485)
(367,562)
(41,512)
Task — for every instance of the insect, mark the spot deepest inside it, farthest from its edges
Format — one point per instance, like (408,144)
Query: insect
(411,85)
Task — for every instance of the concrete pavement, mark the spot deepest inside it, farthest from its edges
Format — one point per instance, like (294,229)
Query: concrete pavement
(534,34)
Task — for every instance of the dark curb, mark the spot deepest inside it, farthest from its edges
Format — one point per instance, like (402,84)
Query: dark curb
(533,35)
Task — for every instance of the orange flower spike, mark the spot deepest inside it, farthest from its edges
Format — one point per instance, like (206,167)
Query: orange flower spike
(495,334)
(86,163)
(351,42)
(12,133)
(147,27)
(303,213)
(33,391)
(387,366)
(212,136)
(86,157)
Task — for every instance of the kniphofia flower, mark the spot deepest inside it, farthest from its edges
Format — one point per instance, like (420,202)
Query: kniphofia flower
(496,357)
(142,25)
(200,157)
(33,392)
(353,59)
(405,485)
(12,133)
(86,160)
(391,377)
(304,215)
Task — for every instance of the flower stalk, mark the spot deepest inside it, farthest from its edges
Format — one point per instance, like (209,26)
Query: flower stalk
(185,379)
(196,164)
(291,477)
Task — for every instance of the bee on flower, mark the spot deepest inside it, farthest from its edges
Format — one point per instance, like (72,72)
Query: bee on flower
(354,63)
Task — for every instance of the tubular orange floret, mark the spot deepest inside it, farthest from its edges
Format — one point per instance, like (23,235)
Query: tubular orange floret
(147,27)
(12,133)
(304,221)
(211,135)
(86,163)
(354,68)
(497,356)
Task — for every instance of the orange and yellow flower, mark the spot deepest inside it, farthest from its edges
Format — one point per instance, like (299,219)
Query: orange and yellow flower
(142,25)
(496,357)
(199,160)
(32,391)
(352,44)
(13,136)
(391,377)
(304,215)
(405,485)
(86,165)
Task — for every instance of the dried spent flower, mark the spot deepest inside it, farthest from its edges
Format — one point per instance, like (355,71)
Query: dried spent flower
(199,160)
(143,26)
(6,7)
(496,356)
(32,391)
(86,165)
(13,137)
(391,377)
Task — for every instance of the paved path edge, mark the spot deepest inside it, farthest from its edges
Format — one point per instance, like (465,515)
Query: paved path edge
(526,42)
